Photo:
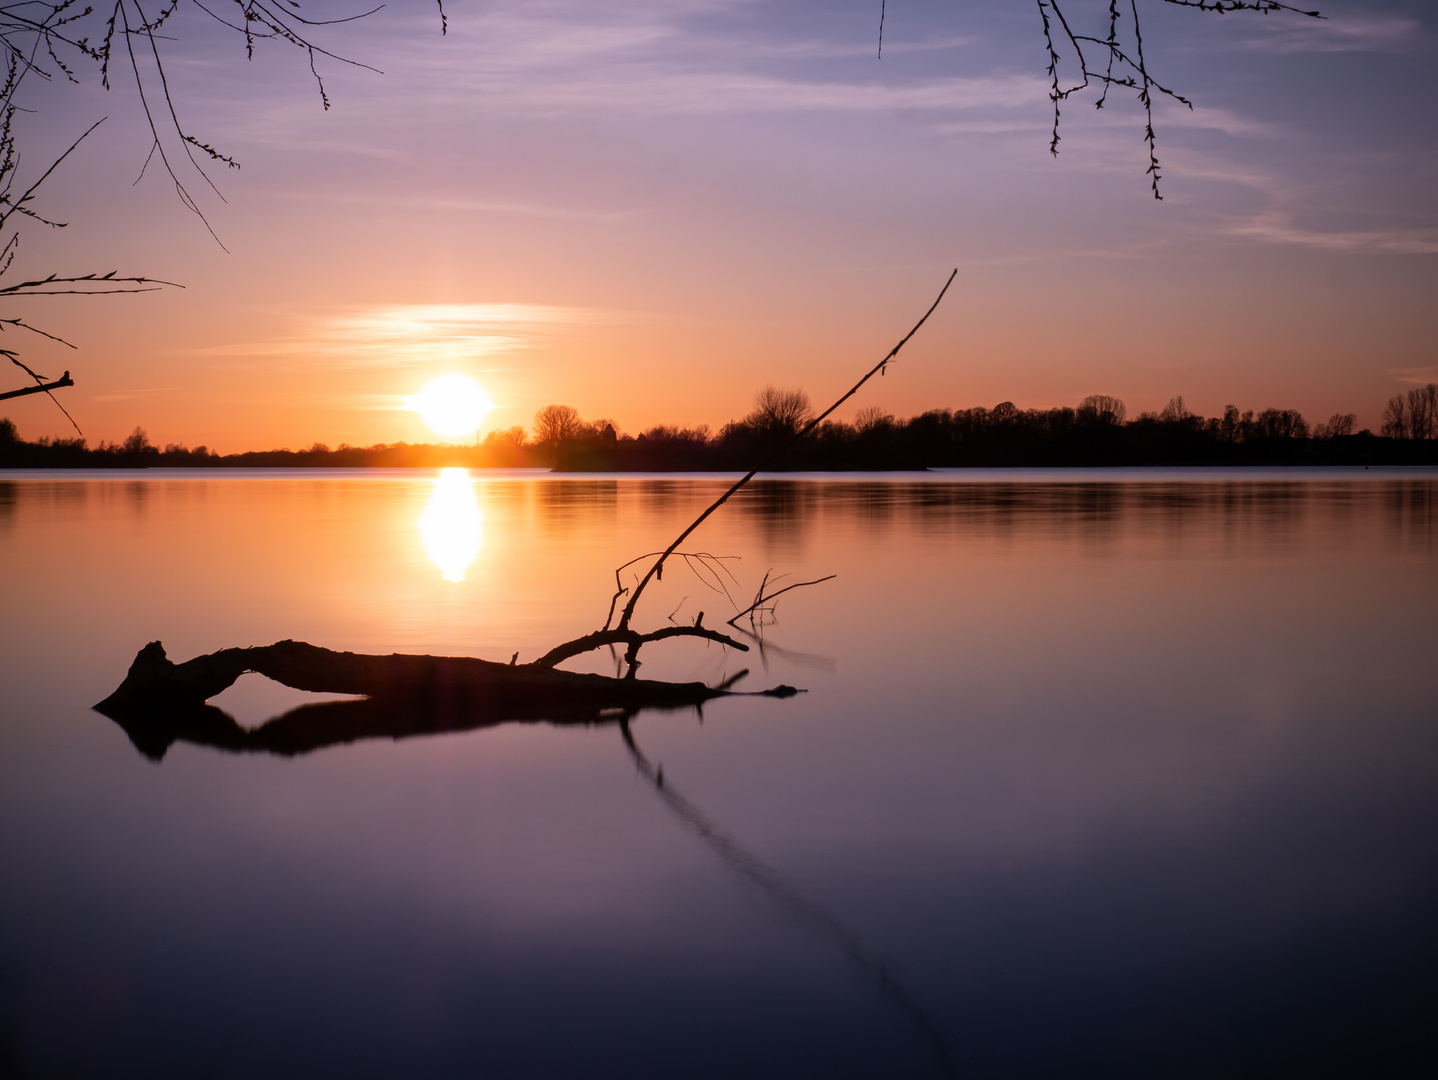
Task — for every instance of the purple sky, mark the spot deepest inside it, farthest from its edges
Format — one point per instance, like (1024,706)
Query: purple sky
(648,210)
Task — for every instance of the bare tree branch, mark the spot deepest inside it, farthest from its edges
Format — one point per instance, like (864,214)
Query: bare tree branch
(633,639)
(712,563)
(43,388)
(40,286)
(40,387)
(760,599)
(1137,76)
(1133,70)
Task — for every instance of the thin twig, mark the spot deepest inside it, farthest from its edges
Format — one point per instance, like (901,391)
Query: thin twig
(1133,69)
(761,599)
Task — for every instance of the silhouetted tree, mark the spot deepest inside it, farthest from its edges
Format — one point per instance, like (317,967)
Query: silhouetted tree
(872,419)
(661,433)
(1395,418)
(555,424)
(1338,426)
(1280,424)
(1102,409)
(1413,415)
(1228,424)
(1175,411)
(778,411)
(513,436)
(137,442)
(1005,412)
(1423,411)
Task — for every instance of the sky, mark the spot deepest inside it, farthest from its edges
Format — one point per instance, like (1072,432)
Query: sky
(649,210)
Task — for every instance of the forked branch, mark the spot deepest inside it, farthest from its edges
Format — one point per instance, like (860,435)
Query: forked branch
(763,600)
(633,639)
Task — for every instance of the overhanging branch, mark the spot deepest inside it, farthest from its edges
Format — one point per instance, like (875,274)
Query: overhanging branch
(43,388)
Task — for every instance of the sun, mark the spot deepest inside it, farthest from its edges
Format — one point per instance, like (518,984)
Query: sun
(452,405)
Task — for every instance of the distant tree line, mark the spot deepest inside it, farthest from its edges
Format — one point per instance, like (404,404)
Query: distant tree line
(1097,432)
(137,452)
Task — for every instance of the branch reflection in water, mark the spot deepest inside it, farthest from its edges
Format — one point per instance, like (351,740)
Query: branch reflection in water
(875,970)
(452,525)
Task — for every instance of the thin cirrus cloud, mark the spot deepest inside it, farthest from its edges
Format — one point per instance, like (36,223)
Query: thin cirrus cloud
(671,58)
(132,395)
(554,211)
(1381,33)
(655,89)
(825,50)
(415,334)
(1419,376)
(1278,228)
(1167,116)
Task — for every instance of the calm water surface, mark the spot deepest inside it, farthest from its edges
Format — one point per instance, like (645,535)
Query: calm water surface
(1120,774)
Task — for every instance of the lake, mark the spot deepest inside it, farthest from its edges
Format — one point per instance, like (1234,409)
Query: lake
(1122,773)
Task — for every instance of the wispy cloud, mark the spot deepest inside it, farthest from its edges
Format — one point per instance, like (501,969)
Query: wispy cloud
(654,90)
(1278,228)
(689,57)
(131,395)
(827,50)
(1419,376)
(1117,117)
(1345,33)
(552,211)
(451,334)
(1206,118)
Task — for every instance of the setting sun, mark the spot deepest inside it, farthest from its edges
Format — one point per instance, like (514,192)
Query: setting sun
(452,405)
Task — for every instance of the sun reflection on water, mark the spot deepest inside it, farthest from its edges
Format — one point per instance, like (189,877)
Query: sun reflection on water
(452,524)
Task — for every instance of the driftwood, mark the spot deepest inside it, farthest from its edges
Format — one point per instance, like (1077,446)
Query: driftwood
(161,701)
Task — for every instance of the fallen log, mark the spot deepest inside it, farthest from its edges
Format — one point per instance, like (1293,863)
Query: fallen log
(160,701)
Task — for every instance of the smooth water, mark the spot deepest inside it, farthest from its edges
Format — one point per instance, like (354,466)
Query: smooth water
(1113,773)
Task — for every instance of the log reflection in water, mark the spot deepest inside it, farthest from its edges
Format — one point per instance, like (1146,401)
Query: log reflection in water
(326,723)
